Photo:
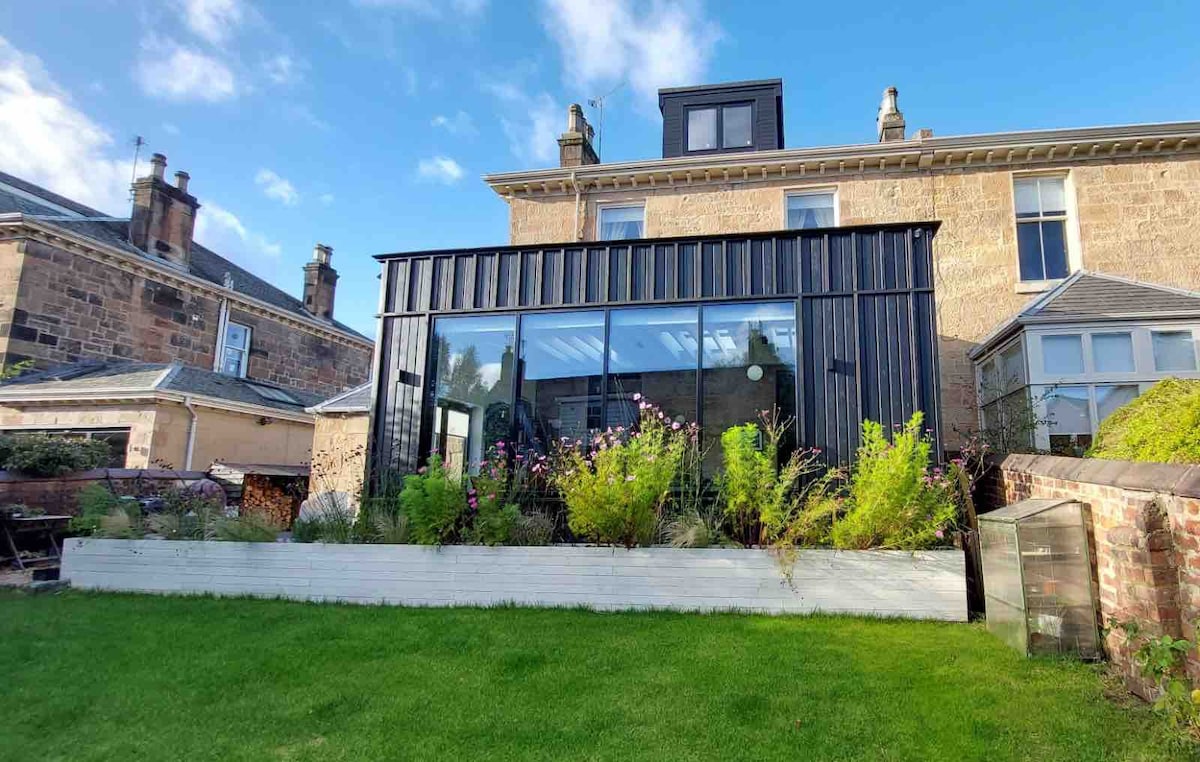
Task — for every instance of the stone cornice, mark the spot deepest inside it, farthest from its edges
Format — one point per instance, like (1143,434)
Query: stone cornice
(1010,150)
(15,226)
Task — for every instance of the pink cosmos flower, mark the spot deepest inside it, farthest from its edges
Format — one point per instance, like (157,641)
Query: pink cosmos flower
(675,425)
(637,396)
(630,478)
(939,534)
(421,470)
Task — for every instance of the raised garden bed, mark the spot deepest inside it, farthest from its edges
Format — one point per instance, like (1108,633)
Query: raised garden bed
(921,585)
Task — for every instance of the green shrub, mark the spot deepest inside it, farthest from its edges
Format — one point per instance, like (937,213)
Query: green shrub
(760,496)
(895,500)
(695,529)
(248,527)
(95,502)
(1160,426)
(435,504)
(43,455)
(186,515)
(532,529)
(391,529)
(615,491)
(124,522)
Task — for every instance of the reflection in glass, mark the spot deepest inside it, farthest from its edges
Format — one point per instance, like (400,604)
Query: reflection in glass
(652,352)
(1062,354)
(562,366)
(473,371)
(1173,350)
(1109,398)
(749,367)
(1112,352)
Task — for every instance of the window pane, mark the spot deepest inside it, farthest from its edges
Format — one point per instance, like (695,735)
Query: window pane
(652,352)
(1112,352)
(735,127)
(1054,249)
(1012,368)
(810,210)
(236,335)
(1029,251)
(619,223)
(1067,410)
(1026,196)
(702,129)
(1053,195)
(1173,350)
(1062,355)
(562,366)
(1109,398)
(749,366)
(473,373)
(231,362)
(1070,445)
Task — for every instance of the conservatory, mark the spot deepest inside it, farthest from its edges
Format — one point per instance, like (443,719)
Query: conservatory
(533,345)
(1048,377)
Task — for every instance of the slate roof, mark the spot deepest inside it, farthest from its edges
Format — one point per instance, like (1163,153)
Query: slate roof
(115,377)
(357,400)
(1088,296)
(88,222)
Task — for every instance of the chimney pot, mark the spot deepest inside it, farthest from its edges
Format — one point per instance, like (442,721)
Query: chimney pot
(320,283)
(158,165)
(181,180)
(322,253)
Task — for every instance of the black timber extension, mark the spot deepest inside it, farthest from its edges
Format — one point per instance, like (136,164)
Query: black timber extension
(866,328)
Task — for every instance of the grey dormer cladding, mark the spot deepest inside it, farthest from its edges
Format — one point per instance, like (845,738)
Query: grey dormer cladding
(765,96)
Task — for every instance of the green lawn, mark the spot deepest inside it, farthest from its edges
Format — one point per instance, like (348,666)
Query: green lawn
(122,677)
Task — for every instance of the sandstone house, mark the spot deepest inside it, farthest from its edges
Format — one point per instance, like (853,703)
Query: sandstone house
(147,338)
(734,270)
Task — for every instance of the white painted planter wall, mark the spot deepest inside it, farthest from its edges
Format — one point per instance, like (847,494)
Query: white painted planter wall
(923,585)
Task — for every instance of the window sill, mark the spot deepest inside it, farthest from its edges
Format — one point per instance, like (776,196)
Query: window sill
(1036,286)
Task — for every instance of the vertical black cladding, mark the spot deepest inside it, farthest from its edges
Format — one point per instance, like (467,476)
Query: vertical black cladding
(867,338)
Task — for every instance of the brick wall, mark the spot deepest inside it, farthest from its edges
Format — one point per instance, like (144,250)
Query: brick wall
(1145,520)
(58,307)
(1125,208)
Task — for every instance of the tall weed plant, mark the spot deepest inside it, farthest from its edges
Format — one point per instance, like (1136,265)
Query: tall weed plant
(616,486)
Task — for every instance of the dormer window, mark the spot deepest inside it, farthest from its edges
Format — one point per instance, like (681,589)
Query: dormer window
(732,125)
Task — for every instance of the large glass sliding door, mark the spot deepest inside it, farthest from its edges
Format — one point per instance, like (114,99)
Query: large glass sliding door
(652,352)
(562,367)
(473,376)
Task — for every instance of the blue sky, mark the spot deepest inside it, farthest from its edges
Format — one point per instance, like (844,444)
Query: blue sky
(365,124)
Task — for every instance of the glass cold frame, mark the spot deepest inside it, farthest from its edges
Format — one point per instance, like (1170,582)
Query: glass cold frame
(473,375)
(652,352)
(562,367)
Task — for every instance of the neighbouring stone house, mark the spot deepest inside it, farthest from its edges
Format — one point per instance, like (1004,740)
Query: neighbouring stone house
(835,235)
(82,289)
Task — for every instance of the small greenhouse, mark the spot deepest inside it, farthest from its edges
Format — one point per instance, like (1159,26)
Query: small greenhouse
(1037,576)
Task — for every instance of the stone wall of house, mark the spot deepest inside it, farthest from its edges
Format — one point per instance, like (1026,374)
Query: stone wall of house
(1136,218)
(1145,521)
(58,307)
(138,418)
(280,354)
(339,453)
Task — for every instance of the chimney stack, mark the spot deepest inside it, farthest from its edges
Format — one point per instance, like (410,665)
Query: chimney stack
(320,283)
(575,145)
(890,121)
(164,215)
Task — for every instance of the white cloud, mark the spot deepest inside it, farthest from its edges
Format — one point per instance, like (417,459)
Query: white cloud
(282,69)
(220,230)
(297,112)
(530,122)
(662,43)
(459,124)
(46,139)
(214,21)
(276,187)
(325,198)
(170,128)
(440,169)
(173,72)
